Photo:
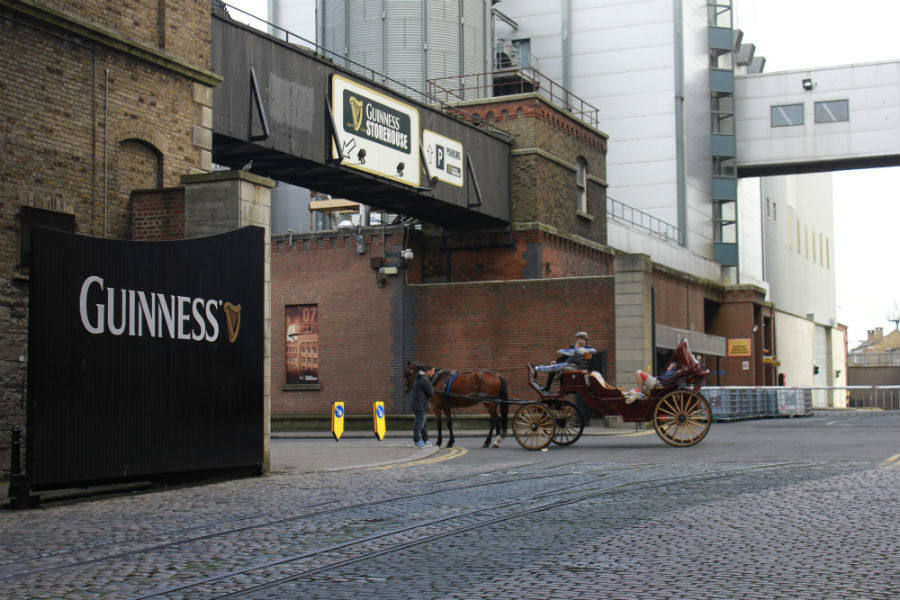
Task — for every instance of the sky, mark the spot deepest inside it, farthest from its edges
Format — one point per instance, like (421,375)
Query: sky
(797,34)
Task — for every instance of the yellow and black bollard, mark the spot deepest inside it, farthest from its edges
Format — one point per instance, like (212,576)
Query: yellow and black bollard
(378,420)
(337,420)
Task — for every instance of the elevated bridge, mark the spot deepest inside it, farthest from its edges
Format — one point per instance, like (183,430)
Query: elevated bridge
(827,119)
(302,119)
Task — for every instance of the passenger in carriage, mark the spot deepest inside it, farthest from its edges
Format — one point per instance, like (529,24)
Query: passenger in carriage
(576,358)
(646,382)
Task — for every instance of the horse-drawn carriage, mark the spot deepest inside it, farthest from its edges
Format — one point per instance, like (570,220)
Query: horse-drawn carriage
(680,414)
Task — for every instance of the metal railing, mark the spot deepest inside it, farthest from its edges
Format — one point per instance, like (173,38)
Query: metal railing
(733,403)
(874,359)
(623,213)
(506,82)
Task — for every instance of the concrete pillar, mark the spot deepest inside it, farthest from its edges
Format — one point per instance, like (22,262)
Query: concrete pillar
(223,201)
(634,318)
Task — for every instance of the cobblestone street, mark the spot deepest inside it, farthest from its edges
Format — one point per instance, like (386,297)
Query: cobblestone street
(575,522)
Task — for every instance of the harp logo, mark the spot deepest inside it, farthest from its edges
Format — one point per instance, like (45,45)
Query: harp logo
(232,320)
(356,109)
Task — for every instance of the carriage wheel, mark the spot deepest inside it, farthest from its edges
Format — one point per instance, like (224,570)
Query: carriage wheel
(533,426)
(569,421)
(682,418)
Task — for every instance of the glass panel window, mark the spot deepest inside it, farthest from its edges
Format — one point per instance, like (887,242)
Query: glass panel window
(581,185)
(301,354)
(833,111)
(787,115)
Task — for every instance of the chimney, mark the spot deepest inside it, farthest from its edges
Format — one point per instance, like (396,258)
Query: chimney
(875,335)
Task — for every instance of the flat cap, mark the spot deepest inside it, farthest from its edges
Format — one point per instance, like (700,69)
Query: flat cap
(582,335)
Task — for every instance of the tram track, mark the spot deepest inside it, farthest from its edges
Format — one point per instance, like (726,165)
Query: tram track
(515,475)
(389,541)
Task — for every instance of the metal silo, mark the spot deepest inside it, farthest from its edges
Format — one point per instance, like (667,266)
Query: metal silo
(410,41)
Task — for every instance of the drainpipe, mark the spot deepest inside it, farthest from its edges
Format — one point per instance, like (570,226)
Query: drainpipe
(105,149)
(564,8)
(678,42)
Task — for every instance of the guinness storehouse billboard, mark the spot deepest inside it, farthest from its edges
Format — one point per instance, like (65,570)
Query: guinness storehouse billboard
(378,134)
(144,358)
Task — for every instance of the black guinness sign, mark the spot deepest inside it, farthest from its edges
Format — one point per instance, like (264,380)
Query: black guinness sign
(145,358)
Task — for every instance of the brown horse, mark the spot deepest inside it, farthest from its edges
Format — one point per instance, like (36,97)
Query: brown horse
(465,389)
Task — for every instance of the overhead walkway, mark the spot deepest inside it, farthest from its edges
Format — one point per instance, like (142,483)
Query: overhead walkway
(827,119)
(294,115)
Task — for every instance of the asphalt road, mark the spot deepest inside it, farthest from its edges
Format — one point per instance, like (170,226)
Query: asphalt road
(793,508)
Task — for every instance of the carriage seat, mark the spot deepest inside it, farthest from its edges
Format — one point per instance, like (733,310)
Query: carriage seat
(598,379)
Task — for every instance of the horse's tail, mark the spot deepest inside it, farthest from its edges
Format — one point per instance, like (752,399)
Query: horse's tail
(504,406)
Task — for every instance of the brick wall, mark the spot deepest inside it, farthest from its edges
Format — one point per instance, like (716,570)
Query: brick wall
(158,214)
(532,254)
(546,145)
(505,325)
(680,299)
(59,152)
(180,27)
(367,332)
(359,361)
(742,306)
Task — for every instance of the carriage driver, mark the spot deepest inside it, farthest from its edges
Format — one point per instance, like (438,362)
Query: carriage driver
(576,358)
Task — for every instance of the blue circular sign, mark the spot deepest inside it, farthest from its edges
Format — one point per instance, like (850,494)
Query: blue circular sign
(379,412)
(339,411)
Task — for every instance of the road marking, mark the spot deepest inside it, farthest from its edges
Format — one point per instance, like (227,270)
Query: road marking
(440,456)
(892,461)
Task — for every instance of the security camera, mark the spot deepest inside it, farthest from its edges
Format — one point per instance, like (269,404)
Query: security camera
(406,254)
(400,168)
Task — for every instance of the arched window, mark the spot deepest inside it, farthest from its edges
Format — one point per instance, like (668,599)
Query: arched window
(581,186)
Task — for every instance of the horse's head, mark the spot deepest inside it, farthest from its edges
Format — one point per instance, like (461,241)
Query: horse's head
(409,375)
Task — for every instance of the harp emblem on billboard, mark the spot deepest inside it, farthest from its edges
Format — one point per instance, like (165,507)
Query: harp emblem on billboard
(233,320)
(356,108)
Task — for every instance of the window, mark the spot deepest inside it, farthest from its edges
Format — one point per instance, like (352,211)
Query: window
(790,231)
(833,111)
(787,115)
(35,217)
(581,184)
(302,344)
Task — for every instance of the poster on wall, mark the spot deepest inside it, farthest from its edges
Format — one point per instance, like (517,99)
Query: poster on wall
(444,157)
(378,134)
(302,344)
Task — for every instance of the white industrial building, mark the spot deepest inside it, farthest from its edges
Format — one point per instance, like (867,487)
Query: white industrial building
(701,139)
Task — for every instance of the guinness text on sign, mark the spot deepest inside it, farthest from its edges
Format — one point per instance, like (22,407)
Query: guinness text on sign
(375,121)
(152,313)
(377,133)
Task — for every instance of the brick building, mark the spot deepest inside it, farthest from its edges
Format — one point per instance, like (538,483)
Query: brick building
(116,130)
(498,298)
(97,98)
